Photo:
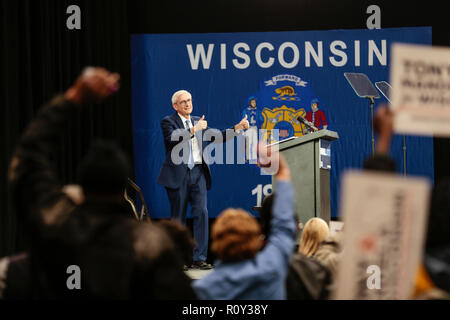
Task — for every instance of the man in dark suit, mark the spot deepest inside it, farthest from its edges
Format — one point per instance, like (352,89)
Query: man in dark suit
(187,181)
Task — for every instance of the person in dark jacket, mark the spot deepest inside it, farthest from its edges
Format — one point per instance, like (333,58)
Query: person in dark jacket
(90,225)
(435,269)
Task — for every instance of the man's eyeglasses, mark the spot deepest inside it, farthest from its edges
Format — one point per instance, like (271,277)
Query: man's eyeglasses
(183,102)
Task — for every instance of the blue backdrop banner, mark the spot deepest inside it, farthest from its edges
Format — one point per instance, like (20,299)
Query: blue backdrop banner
(273,78)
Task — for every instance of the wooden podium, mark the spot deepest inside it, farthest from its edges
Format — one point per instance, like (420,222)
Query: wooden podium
(309,158)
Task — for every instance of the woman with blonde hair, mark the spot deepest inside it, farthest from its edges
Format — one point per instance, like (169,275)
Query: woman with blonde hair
(314,232)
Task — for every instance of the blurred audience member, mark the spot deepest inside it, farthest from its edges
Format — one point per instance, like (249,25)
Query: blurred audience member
(381,160)
(265,215)
(433,279)
(118,259)
(90,225)
(314,232)
(184,242)
(433,276)
(307,279)
(15,277)
(329,252)
(329,255)
(243,270)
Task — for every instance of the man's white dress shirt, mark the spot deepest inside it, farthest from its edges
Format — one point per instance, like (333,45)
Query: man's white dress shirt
(196,150)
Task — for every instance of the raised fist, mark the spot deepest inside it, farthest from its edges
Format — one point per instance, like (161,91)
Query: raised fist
(273,162)
(384,119)
(93,85)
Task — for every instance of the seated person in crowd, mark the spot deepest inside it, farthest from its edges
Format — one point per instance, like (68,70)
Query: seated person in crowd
(118,259)
(246,270)
(329,254)
(314,232)
(182,237)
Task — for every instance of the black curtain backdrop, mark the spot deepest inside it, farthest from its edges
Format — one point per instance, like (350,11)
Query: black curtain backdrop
(40,57)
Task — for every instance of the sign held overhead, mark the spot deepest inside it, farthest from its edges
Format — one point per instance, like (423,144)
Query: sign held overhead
(420,76)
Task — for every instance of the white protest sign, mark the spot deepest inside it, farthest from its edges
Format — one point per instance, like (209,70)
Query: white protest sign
(420,95)
(385,219)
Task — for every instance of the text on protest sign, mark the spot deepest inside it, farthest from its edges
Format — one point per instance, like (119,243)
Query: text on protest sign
(420,78)
(385,218)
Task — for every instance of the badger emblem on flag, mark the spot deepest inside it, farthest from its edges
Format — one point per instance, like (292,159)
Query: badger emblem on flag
(286,93)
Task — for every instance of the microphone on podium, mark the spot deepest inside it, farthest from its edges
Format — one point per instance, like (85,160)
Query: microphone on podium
(307,123)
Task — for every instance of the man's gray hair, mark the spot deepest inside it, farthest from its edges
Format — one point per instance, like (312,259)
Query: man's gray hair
(179,93)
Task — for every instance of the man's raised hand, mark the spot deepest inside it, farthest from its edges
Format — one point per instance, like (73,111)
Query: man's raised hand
(242,125)
(93,85)
(202,124)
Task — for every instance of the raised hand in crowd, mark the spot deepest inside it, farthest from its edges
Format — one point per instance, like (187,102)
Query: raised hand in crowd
(31,174)
(94,85)
(274,162)
(383,125)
